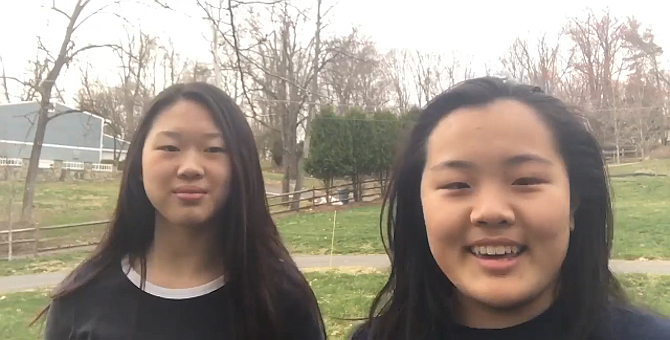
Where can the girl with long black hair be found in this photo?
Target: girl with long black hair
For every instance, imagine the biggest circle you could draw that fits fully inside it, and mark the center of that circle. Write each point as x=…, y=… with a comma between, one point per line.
x=192, y=251
x=499, y=226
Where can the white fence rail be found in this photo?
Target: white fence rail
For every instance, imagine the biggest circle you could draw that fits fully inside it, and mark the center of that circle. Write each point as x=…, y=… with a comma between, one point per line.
x=102, y=167
x=49, y=164
x=17, y=162
x=73, y=165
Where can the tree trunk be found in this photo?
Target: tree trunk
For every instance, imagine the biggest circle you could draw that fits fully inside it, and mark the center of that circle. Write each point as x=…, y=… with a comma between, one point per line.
x=45, y=87
x=33, y=165
x=315, y=83
x=356, y=187
x=643, y=143
x=116, y=156
x=286, y=182
x=328, y=185
x=617, y=159
x=300, y=171
x=292, y=164
x=298, y=184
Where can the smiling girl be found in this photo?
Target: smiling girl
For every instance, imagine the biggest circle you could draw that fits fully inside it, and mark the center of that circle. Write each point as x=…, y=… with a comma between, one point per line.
x=500, y=226
x=191, y=252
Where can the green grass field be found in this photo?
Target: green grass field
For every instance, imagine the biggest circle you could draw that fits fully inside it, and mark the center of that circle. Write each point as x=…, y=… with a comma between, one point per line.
x=64, y=202
x=658, y=166
x=356, y=231
x=43, y=264
x=341, y=296
x=642, y=211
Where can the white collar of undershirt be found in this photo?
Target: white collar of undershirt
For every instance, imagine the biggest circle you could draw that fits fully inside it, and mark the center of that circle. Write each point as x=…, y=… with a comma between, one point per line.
x=169, y=293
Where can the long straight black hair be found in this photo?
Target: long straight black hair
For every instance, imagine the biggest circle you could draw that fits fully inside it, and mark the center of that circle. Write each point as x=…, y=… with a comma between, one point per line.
x=412, y=305
x=257, y=266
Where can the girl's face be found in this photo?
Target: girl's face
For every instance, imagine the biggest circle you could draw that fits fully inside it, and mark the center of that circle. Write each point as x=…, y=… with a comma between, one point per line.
x=496, y=202
x=185, y=165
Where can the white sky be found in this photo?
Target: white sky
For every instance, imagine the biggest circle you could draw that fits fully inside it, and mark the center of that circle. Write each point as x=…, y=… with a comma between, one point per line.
x=481, y=30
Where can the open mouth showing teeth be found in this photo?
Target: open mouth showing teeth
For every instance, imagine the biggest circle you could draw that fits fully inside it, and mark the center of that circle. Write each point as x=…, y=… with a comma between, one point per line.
x=497, y=251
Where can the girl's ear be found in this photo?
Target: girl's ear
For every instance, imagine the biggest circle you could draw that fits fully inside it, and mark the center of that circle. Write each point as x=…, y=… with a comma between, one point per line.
x=574, y=205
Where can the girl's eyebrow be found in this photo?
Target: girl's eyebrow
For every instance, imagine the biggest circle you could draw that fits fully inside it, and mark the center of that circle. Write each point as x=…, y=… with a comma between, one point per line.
x=177, y=135
x=513, y=161
x=454, y=164
x=527, y=158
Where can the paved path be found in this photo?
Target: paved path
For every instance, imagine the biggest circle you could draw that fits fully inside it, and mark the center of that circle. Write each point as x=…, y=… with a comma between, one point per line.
x=17, y=283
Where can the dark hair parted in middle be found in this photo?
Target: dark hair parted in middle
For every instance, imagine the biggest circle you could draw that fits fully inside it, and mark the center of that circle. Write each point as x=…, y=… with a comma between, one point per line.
x=414, y=303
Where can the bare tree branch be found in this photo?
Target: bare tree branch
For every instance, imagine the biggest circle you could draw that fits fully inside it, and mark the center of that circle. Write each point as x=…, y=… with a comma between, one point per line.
x=163, y=5
x=4, y=81
x=241, y=3
x=26, y=84
x=74, y=54
x=59, y=94
x=43, y=48
x=94, y=13
x=61, y=12
x=238, y=58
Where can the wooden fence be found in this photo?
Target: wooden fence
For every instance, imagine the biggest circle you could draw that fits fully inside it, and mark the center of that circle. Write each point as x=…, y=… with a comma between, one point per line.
x=35, y=240
x=625, y=155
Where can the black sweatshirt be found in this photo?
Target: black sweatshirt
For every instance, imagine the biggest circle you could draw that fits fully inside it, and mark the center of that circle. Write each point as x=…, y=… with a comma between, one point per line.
x=624, y=324
x=113, y=307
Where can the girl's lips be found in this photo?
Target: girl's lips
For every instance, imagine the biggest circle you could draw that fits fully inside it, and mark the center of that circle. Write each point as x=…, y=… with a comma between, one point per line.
x=190, y=196
x=189, y=189
x=500, y=265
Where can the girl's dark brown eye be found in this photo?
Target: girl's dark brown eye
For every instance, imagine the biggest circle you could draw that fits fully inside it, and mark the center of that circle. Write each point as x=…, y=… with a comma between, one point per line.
x=169, y=148
x=216, y=149
x=528, y=181
x=455, y=186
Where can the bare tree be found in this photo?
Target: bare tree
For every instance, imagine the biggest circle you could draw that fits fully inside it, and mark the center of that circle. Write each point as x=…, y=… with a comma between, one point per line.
x=611, y=69
x=173, y=66
x=434, y=73
x=646, y=90
x=136, y=56
x=540, y=65
x=428, y=70
x=314, y=87
x=276, y=67
x=598, y=46
x=45, y=84
x=38, y=70
x=396, y=65
x=598, y=63
x=355, y=77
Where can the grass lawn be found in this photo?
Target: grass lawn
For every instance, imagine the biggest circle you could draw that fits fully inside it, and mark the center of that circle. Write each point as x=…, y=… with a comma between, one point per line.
x=341, y=296
x=657, y=166
x=356, y=231
x=642, y=217
x=43, y=264
x=64, y=202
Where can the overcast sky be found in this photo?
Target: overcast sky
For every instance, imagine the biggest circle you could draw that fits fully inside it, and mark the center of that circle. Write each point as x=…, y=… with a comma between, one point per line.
x=480, y=30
